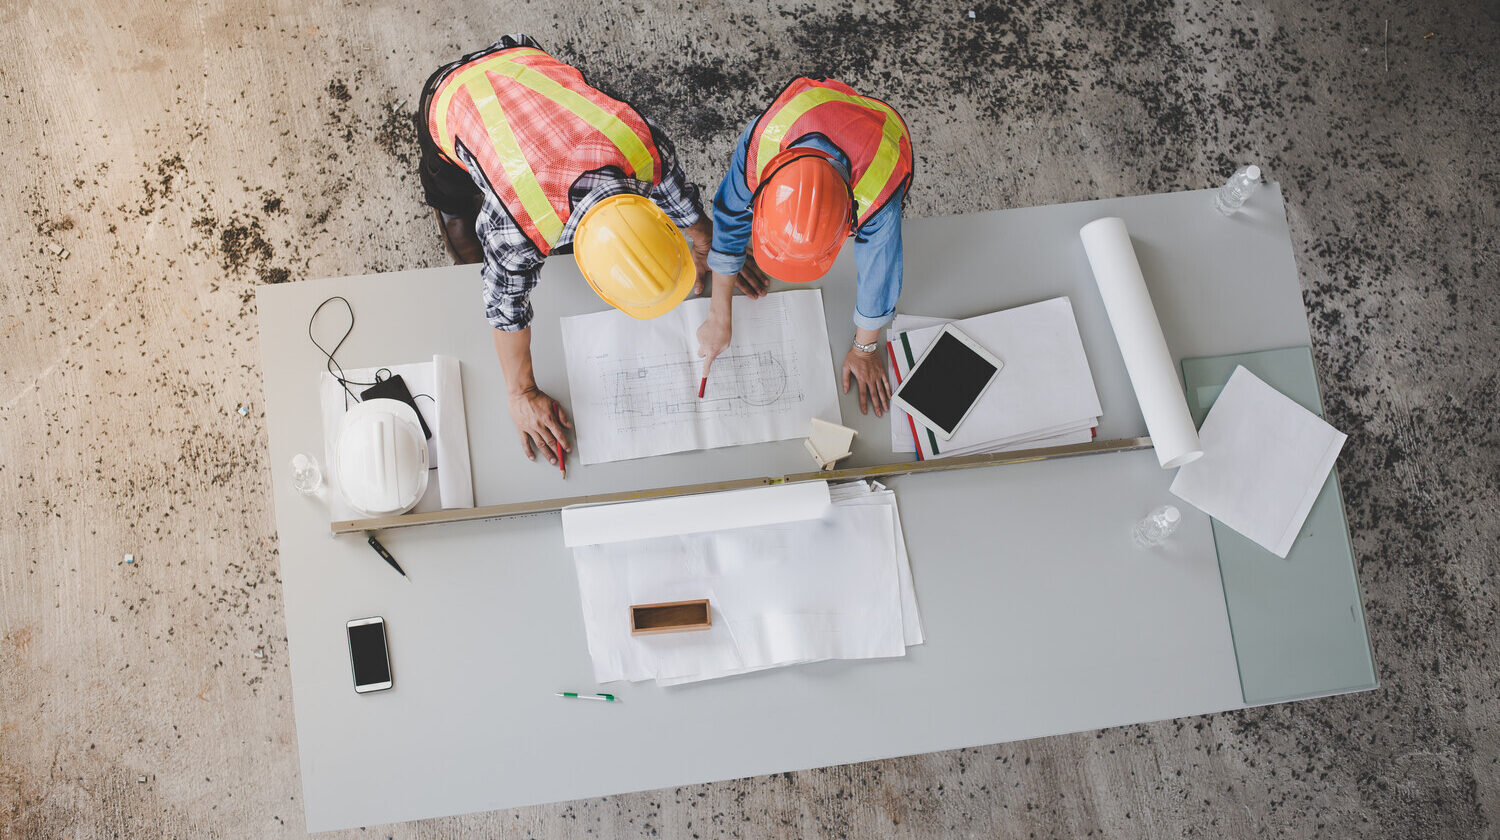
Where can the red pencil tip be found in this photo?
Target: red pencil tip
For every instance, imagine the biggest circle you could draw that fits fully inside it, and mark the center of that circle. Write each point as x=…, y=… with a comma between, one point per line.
x=702, y=386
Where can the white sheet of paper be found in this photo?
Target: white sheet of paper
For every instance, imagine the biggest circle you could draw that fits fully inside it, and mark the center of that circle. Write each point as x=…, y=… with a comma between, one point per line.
x=1265, y=459
x=634, y=383
x=875, y=493
x=853, y=493
x=451, y=485
x=785, y=593
x=1063, y=437
x=695, y=514
x=1045, y=388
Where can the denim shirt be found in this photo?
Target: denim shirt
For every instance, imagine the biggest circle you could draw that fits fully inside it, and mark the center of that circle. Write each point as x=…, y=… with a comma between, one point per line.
x=877, y=243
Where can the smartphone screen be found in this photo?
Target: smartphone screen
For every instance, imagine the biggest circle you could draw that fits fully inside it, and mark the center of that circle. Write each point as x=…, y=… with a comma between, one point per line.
x=368, y=654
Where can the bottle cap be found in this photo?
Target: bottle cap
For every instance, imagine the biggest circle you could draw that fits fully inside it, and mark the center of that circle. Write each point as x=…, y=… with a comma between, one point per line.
x=1253, y=172
x=1171, y=514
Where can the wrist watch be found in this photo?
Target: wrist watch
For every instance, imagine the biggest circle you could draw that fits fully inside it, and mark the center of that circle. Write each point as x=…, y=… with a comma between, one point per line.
x=867, y=348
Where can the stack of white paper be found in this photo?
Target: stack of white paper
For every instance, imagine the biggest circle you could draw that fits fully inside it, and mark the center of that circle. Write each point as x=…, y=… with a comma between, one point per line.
x=833, y=583
x=1265, y=460
x=437, y=388
x=1044, y=396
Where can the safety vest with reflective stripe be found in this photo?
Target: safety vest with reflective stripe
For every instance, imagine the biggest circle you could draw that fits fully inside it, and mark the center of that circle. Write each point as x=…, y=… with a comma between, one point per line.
x=533, y=126
x=868, y=131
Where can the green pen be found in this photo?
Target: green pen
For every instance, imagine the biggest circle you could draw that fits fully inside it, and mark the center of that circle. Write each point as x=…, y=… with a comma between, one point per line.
x=608, y=698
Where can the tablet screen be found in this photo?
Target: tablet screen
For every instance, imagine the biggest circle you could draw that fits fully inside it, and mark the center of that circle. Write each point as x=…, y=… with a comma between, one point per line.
x=949, y=379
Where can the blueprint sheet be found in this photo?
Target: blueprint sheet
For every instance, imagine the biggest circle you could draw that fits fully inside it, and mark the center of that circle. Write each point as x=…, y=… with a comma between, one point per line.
x=634, y=384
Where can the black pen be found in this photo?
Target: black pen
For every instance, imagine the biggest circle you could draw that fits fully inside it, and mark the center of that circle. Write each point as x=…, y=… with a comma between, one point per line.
x=385, y=555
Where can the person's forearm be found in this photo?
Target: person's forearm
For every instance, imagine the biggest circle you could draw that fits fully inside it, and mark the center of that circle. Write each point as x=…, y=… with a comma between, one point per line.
x=719, y=307
x=701, y=232
x=514, y=350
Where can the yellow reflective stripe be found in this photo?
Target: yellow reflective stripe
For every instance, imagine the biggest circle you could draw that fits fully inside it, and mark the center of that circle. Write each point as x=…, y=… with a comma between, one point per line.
x=870, y=185
x=507, y=149
x=513, y=160
x=451, y=86
x=625, y=139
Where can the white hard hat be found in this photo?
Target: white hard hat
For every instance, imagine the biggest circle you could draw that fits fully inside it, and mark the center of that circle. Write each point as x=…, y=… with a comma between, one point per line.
x=382, y=458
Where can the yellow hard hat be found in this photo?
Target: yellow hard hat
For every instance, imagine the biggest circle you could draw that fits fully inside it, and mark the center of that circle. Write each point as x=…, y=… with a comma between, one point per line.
x=633, y=256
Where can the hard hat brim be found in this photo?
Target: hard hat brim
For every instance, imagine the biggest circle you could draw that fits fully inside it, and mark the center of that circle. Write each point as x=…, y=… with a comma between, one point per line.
x=798, y=269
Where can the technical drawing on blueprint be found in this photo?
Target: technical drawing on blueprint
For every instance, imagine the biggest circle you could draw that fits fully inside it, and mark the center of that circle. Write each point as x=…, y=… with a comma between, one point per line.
x=634, y=384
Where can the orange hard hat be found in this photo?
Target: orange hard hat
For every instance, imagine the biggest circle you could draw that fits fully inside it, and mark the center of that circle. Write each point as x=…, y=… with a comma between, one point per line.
x=803, y=213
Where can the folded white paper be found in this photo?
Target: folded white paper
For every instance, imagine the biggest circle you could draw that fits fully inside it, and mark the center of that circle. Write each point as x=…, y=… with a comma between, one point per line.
x=695, y=514
x=837, y=587
x=454, y=475
x=1138, y=332
x=1265, y=459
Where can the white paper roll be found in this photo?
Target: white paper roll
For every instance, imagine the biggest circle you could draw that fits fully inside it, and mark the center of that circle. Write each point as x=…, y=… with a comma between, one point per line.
x=1138, y=333
x=455, y=475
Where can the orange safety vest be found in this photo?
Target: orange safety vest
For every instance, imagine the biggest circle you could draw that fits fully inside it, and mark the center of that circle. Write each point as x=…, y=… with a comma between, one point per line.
x=869, y=131
x=533, y=125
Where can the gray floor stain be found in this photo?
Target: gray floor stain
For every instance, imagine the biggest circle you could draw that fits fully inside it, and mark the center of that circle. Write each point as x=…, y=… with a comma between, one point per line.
x=211, y=149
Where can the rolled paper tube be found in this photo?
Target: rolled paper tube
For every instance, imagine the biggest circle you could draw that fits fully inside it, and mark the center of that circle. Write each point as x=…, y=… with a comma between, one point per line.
x=1138, y=332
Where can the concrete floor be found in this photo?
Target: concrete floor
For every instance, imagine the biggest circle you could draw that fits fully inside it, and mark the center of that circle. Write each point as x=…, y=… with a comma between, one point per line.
x=183, y=154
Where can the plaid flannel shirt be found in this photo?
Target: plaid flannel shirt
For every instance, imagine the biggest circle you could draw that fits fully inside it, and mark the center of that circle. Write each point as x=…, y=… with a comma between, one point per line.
x=512, y=264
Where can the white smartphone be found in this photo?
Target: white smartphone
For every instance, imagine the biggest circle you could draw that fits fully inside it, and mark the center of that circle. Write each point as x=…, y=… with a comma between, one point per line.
x=368, y=654
x=947, y=382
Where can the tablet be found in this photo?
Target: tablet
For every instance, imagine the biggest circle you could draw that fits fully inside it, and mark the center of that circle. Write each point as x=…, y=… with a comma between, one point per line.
x=947, y=382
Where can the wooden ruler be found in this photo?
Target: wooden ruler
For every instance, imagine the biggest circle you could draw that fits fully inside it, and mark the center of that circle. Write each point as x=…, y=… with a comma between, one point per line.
x=963, y=462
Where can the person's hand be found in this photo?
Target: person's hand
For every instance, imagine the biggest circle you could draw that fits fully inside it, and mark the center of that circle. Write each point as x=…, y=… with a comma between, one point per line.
x=701, y=235
x=713, y=337
x=540, y=420
x=751, y=280
x=868, y=371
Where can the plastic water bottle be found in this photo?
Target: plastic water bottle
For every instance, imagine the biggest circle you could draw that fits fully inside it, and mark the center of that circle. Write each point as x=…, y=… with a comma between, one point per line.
x=307, y=477
x=1158, y=525
x=1232, y=196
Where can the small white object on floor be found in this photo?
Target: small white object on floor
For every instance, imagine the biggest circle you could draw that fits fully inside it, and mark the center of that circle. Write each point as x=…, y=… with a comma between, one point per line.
x=1265, y=460
x=259, y=653
x=130, y=559
x=141, y=779
x=829, y=442
x=244, y=411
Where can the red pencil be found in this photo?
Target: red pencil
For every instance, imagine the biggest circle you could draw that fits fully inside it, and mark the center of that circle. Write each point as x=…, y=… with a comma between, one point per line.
x=701, y=386
x=561, y=464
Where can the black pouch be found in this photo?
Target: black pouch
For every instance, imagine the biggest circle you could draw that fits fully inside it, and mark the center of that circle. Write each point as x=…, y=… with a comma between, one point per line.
x=394, y=388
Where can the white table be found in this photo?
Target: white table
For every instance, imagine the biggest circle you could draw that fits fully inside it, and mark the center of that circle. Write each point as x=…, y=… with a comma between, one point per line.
x=1041, y=616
